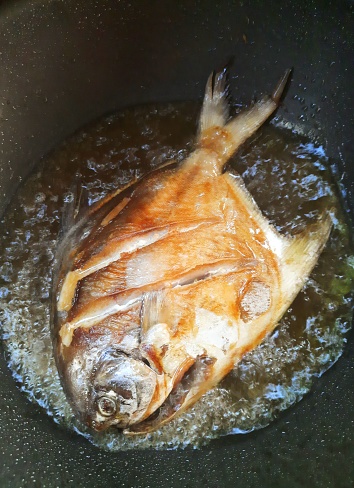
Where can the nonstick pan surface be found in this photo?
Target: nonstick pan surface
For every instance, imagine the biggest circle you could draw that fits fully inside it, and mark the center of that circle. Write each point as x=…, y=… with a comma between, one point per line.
x=64, y=63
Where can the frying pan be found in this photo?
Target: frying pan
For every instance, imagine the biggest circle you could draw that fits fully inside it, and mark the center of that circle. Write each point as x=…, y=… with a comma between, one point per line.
x=64, y=63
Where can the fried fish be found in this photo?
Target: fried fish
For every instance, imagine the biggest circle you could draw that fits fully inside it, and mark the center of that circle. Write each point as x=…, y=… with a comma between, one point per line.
x=164, y=285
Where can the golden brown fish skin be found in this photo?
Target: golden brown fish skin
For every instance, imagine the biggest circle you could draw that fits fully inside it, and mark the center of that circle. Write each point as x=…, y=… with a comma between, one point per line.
x=179, y=277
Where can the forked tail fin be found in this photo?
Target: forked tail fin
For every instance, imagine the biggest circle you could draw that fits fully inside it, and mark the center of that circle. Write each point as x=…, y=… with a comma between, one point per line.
x=215, y=109
x=226, y=136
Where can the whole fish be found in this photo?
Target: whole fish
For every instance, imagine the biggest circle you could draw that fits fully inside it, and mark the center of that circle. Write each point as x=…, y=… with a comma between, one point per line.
x=163, y=286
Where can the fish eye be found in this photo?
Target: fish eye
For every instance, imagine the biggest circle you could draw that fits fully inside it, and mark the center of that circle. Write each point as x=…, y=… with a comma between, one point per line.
x=107, y=406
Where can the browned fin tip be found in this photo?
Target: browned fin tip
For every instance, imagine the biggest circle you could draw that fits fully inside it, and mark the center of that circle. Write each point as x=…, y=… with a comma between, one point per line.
x=277, y=93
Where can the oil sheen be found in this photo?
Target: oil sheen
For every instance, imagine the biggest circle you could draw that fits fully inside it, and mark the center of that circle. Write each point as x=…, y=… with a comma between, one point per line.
x=289, y=178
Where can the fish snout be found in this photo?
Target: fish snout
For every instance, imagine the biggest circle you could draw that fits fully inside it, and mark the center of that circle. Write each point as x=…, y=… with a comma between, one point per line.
x=122, y=390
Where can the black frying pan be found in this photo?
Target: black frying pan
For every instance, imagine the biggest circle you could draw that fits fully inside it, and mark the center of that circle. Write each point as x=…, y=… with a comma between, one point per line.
x=66, y=62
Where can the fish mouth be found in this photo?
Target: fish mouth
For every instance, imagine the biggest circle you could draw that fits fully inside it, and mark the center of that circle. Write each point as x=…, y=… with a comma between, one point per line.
x=101, y=425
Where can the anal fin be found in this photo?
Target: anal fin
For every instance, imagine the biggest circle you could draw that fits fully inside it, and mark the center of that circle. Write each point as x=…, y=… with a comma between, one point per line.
x=296, y=255
x=300, y=255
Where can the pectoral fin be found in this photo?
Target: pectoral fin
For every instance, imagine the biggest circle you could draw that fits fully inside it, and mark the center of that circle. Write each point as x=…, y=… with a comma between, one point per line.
x=155, y=333
x=165, y=353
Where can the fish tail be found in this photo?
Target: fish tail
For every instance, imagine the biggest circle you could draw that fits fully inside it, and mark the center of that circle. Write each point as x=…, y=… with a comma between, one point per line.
x=225, y=136
x=215, y=109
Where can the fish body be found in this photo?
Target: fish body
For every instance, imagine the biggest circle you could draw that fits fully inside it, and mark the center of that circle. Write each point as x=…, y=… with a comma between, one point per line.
x=164, y=285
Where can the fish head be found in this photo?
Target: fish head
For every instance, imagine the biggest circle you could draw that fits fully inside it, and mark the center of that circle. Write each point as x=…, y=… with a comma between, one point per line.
x=122, y=388
x=107, y=386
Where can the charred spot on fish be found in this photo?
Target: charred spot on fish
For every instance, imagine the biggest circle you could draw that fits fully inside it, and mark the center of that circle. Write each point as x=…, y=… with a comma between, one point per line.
x=107, y=406
x=125, y=393
x=208, y=361
x=164, y=349
x=255, y=301
x=81, y=337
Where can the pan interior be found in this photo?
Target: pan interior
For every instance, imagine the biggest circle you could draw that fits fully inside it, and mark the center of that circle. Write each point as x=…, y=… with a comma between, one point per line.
x=111, y=152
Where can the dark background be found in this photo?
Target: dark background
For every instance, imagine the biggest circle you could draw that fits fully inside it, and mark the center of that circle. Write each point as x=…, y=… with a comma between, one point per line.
x=63, y=63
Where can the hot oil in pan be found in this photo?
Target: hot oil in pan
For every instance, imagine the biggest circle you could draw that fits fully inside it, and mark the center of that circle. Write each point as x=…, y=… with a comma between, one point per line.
x=289, y=179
